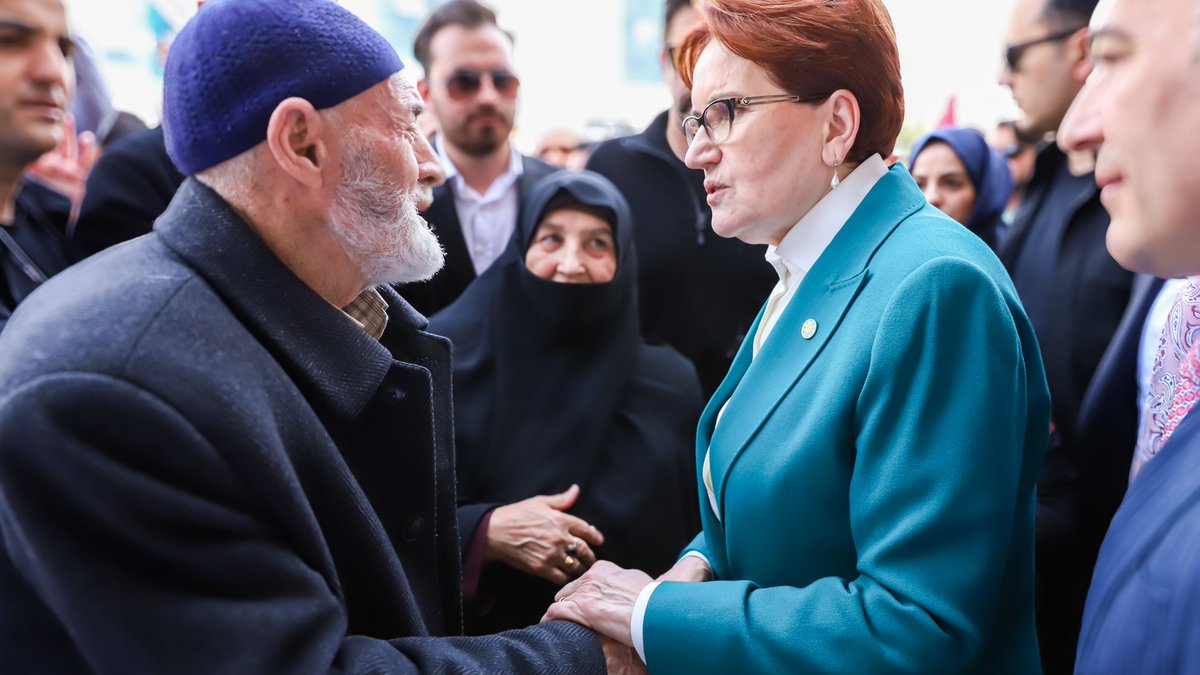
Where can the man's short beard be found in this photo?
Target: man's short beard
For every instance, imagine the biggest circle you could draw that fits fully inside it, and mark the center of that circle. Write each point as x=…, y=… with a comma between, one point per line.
x=378, y=226
x=484, y=141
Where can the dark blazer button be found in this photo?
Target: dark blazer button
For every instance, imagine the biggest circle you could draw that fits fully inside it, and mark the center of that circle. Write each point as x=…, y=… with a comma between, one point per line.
x=413, y=527
x=393, y=395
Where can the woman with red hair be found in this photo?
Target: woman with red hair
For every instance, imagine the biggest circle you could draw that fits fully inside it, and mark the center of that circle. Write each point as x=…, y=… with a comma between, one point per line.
x=866, y=470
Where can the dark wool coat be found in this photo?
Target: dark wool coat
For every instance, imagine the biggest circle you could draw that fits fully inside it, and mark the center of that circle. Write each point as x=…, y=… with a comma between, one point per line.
x=127, y=190
x=1075, y=295
x=205, y=468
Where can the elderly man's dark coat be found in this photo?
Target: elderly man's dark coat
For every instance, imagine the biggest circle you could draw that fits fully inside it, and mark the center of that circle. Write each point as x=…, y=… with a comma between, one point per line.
x=206, y=468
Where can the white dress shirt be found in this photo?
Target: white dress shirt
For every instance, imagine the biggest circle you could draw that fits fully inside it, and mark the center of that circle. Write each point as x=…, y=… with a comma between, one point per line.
x=487, y=220
x=797, y=252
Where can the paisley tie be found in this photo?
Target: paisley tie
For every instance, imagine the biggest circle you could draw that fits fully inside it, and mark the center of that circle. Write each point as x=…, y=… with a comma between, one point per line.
x=1175, y=384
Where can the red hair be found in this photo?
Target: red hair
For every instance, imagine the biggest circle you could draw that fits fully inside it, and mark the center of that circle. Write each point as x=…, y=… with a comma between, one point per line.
x=813, y=48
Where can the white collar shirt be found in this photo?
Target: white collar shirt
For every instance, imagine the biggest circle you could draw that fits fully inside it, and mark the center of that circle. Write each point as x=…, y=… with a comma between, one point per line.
x=489, y=219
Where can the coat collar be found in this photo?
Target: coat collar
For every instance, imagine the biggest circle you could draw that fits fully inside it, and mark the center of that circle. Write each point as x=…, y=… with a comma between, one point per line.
x=334, y=362
x=754, y=387
x=653, y=140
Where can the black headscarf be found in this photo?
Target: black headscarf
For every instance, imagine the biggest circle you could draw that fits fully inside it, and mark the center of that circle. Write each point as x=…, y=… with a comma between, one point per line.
x=553, y=386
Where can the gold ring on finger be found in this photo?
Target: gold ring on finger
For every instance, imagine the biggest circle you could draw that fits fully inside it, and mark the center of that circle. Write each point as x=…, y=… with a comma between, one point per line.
x=569, y=561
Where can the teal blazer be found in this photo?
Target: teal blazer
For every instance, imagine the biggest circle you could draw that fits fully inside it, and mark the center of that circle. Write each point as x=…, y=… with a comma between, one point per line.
x=876, y=478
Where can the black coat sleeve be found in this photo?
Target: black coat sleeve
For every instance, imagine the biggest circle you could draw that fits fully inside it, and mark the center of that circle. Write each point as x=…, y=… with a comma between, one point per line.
x=127, y=191
x=154, y=556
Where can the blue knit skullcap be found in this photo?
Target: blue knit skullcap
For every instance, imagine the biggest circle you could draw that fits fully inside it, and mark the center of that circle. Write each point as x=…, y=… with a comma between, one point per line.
x=237, y=60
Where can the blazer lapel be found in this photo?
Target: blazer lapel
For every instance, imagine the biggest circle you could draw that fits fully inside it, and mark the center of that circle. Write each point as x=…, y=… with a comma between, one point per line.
x=825, y=294
x=1149, y=509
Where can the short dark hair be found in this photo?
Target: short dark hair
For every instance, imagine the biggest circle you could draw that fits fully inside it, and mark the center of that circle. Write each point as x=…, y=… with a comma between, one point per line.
x=1068, y=13
x=465, y=13
x=673, y=8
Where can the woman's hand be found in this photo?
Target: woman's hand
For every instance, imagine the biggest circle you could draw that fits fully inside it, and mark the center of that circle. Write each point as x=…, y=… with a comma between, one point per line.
x=602, y=600
x=688, y=569
x=536, y=536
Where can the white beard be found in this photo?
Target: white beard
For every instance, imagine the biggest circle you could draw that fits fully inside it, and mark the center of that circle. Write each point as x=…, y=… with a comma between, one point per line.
x=378, y=226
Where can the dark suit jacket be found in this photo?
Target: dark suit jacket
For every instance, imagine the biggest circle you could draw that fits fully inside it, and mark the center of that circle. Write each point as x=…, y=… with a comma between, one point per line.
x=1143, y=608
x=205, y=467
x=1108, y=420
x=427, y=297
x=1075, y=295
x=128, y=189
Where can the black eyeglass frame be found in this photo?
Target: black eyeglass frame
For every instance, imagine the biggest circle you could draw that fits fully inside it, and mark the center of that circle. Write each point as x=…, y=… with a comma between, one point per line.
x=1013, y=53
x=693, y=123
x=472, y=82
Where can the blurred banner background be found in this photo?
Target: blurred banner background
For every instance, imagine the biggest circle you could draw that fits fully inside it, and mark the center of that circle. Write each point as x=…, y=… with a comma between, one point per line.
x=586, y=65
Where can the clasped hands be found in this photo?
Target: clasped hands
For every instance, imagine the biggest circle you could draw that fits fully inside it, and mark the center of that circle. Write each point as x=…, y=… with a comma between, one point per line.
x=603, y=600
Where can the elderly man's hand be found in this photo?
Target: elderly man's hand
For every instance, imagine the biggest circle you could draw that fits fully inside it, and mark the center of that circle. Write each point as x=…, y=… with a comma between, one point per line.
x=535, y=536
x=602, y=600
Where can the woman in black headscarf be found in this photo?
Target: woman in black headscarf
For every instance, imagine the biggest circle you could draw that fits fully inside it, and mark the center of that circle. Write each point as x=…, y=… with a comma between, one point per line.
x=565, y=422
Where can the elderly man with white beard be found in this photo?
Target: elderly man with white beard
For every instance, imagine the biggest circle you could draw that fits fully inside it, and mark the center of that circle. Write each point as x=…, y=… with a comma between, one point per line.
x=227, y=446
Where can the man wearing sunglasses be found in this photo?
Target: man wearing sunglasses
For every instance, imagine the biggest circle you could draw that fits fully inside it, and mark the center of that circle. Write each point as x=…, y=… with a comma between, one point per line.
x=1075, y=294
x=470, y=88
x=697, y=292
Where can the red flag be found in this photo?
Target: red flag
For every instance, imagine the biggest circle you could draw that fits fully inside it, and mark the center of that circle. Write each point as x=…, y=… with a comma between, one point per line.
x=948, y=118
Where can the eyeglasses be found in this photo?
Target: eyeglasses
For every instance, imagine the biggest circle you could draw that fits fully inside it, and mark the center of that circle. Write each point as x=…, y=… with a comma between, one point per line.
x=1013, y=53
x=717, y=118
x=463, y=84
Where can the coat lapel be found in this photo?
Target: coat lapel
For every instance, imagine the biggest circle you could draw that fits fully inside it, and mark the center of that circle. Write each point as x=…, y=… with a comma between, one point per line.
x=825, y=294
x=1150, y=508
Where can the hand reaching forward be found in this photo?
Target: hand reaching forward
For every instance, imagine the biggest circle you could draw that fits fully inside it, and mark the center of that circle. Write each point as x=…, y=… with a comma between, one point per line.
x=536, y=536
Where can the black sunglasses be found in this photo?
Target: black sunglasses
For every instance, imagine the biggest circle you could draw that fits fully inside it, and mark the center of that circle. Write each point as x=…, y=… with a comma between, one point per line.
x=463, y=84
x=1013, y=53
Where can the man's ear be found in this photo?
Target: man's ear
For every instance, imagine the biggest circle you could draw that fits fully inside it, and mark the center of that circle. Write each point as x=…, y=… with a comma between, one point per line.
x=423, y=90
x=841, y=127
x=295, y=137
x=1079, y=52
